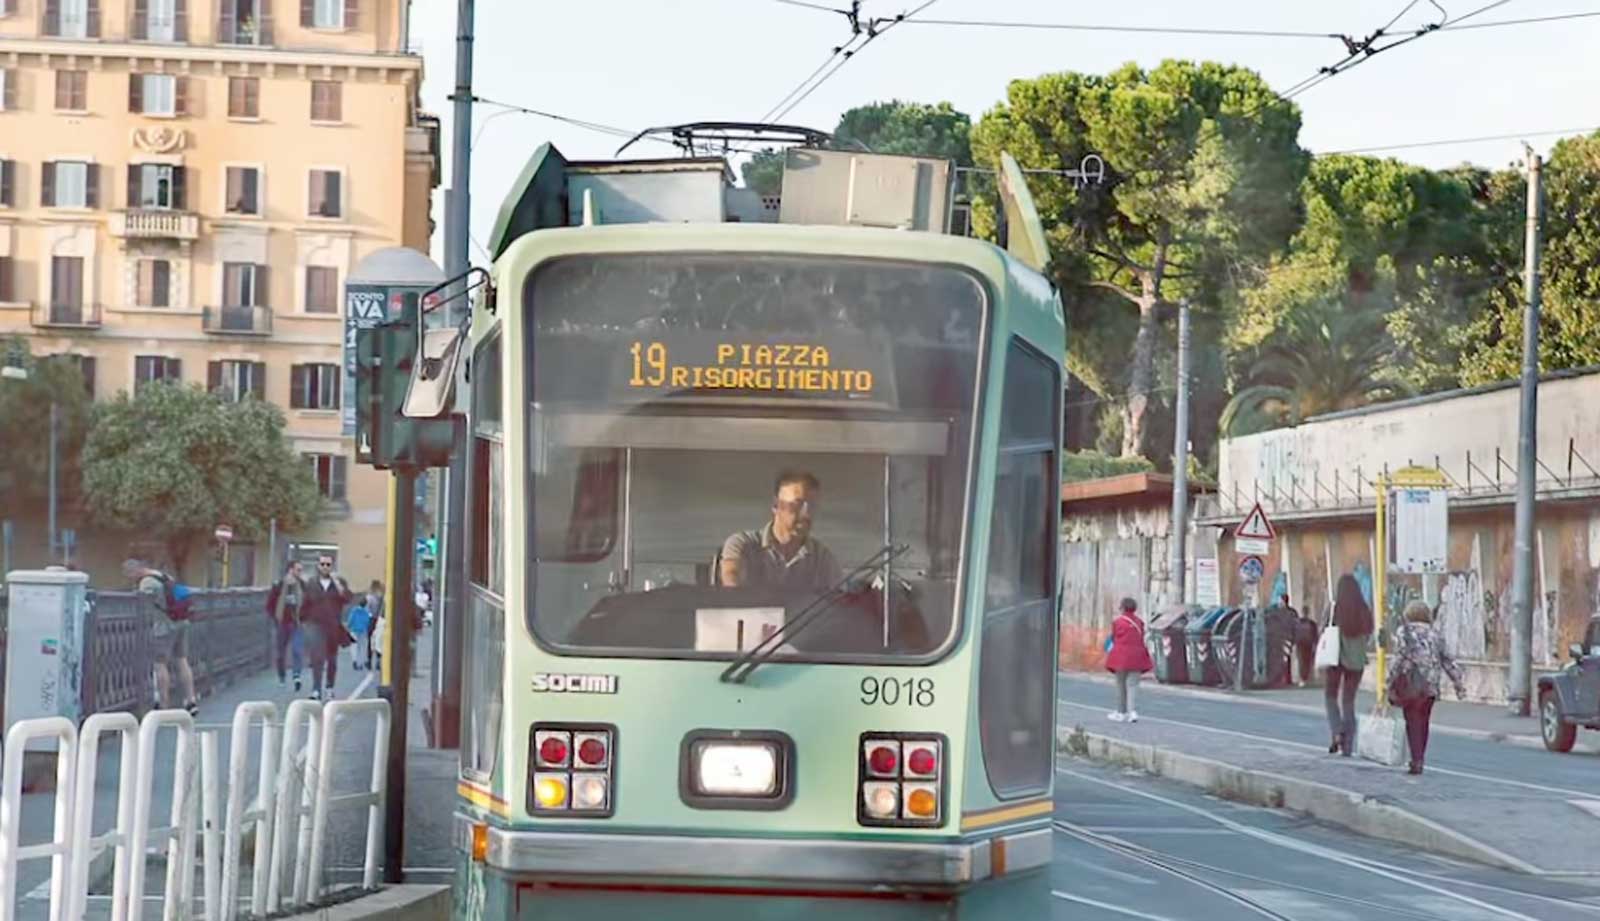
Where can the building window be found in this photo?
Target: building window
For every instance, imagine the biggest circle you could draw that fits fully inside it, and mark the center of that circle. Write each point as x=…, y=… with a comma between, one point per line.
x=244, y=22
x=8, y=183
x=155, y=283
x=244, y=284
x=326, y=200
x=160, y=20
x=70, y=184
x=66, y=283
x=329, y=471
x=322, y=289
x=244, y=190
x=8, y=88
x=244, y=97
x=72, y=90
x=158, y=186
x=237, y=380
x=326, y=101
x=328, y=14
x=315, y=386
x=157, y=94
x=151, y=369
x=71, y=18
x=8, y=280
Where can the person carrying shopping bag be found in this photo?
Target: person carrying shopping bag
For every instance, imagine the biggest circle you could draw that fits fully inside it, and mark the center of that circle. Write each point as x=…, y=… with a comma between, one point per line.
x=1349, y=633
x=1128, y=658
x=1420, y=662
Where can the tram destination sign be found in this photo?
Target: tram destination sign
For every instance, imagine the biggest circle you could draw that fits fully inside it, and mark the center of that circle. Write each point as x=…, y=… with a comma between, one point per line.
x=802, y=366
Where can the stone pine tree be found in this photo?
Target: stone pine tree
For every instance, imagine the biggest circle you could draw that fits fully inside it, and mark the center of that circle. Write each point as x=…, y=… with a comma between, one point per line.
x=895, y=127
x=172, y=462
x=1203, y=171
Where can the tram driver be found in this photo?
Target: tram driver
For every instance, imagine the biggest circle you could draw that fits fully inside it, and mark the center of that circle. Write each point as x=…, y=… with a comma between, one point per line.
x=782, y=554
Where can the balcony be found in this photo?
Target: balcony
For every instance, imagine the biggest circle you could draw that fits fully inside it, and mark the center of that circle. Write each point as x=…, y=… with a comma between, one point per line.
x=66, y=316
x=244, y=29
x=155, y=224
x=238, y=321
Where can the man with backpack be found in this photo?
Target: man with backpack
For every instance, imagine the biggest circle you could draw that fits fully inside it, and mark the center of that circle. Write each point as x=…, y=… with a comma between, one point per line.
x=169, y=633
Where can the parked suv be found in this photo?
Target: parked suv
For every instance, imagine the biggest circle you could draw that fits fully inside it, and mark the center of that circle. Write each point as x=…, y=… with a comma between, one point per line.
x=1571, y=697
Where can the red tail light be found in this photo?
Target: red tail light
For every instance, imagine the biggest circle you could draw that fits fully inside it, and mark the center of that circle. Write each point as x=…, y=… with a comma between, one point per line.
x=553, y=748
x=901, y=780
x=592, y=750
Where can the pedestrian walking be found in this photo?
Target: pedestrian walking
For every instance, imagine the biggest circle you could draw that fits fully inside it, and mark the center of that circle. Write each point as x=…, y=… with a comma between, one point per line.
x=285, y=605
x=1128, y=658
x=1352, y=617
x=169, y=631
x=375, y=605
x=322, y=619
x=1420, y=662
x=357, y=623
x=1305, y=644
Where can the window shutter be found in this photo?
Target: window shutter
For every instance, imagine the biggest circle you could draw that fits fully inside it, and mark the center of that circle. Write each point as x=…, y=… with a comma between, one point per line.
x=263, y=287
x=251, y=188
x=352, y=9
x=336, y=385
x=94, y=18
x=136, y=93
x=180, y=20
x=63, y=89
x=252, y=97
x=264, y=28
x=145, y=295
x=134, y=198
x=180, y=188
x=236, y=97
x=334, y=196
x=86, y=367
x=8, y=183
x=172, y=369
x=297, y=386
x=213, y=375
x=308, y=14
x=8, y=90
x=180, y=96
x=227, y=24
x=5, y=278
x=91, y=185
x=258, y=380
x=47, y=184
x=161, y=283
x=52, y=17
x=336, y=479
x=314, y=206
x=141, y=19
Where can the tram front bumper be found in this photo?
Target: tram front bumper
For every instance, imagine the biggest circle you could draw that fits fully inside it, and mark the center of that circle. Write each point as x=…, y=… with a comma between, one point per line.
x=781, y=861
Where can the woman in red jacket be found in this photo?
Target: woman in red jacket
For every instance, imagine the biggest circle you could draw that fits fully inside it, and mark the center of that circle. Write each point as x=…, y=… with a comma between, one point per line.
x=1128, y=659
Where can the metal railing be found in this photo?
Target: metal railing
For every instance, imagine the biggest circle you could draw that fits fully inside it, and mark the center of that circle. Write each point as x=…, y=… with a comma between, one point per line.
x=67, y=316
x=237, y=321
x=228, y=637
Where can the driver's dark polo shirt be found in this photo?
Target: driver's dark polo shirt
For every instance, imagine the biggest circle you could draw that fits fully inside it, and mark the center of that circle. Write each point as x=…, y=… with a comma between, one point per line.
x=762, y=563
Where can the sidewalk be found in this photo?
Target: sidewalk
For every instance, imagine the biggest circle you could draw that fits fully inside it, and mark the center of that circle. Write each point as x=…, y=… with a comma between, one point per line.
x=1505, y=804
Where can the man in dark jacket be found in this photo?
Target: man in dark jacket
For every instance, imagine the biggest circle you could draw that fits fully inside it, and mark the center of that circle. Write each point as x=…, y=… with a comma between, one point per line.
x=322, y=616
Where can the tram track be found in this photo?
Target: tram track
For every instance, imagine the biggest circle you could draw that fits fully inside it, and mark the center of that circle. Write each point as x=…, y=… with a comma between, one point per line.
x=1433, y=884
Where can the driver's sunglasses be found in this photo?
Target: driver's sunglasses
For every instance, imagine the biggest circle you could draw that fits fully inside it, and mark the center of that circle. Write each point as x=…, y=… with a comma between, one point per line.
x=797, y=505
x=324, y=565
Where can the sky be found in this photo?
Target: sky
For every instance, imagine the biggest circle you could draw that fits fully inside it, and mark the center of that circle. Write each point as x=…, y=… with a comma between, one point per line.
x=637, y=63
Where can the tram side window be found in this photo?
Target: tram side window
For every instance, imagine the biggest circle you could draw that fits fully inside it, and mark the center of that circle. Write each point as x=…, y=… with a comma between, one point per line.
x=488, y=477
x=1018, y=654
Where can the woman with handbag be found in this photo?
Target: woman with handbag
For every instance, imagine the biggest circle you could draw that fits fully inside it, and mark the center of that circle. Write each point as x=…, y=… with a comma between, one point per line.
x=1349, y=633
x=1128, y=658
x=1420, y=662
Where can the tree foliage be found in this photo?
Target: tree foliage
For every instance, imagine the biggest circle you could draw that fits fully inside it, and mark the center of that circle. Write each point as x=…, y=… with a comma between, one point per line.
x=25, y=426
x=173, y=462
x=1203, y=169
x=911, y=128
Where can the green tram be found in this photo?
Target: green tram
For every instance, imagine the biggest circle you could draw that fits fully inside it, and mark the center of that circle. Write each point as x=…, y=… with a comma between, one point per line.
x=764, y=572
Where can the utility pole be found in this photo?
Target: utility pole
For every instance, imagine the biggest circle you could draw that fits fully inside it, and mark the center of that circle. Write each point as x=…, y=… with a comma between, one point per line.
x=1520, y=690
x=453, y=496
x=1180, y=462
x=402, y=614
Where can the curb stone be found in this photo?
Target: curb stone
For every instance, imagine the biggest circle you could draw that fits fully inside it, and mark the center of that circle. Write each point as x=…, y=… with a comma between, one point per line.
x=391, y=903
x=1336, y=806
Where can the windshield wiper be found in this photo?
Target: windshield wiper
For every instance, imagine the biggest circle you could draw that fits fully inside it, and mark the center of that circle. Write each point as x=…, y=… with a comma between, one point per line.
x=740, y=668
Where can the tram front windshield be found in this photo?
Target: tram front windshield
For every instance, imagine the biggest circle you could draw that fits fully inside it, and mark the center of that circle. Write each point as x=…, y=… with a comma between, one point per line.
x=721, y=444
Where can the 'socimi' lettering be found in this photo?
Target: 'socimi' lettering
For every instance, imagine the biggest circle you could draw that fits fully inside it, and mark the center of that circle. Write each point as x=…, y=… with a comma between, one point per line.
x=548, y=683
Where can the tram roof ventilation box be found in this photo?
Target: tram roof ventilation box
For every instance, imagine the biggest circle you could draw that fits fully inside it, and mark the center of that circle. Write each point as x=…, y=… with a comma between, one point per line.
x=678, y=190
x=842, y=187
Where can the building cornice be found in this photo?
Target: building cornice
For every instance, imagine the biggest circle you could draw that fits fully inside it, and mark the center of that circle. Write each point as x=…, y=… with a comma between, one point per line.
x=409, y=64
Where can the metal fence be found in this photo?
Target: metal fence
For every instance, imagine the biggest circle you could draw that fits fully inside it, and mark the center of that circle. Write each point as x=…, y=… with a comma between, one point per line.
x=229, y=636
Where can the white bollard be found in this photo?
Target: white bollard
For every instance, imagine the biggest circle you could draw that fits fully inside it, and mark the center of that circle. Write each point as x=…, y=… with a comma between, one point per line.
x=289, y=795
x=121, y=834
x=211, y=836
x=180, y=844
x=65, y=734
x=261, y=814
x=373, y=798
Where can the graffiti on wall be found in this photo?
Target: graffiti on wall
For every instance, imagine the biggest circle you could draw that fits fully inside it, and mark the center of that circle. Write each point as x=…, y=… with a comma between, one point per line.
x=1462, y=616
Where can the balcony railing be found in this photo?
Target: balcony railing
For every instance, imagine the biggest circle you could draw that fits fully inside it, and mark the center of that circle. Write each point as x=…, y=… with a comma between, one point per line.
x=66, y=316
x=244, y=31
x=238, y=321
x=154, y=223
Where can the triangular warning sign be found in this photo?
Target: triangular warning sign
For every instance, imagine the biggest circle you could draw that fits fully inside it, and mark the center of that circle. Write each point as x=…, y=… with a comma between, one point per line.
x=1255, y=525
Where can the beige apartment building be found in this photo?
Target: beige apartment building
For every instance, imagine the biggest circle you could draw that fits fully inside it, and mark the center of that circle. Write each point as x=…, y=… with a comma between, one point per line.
x=184, y=186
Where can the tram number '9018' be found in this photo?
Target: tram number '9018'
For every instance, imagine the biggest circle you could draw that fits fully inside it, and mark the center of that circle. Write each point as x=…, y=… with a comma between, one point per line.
x=891, y=692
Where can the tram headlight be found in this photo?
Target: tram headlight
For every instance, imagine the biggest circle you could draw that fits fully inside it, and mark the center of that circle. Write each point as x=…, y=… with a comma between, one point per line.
x=736, y=768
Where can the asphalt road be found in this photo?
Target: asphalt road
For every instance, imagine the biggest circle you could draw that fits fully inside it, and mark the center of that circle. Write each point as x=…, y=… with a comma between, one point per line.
x=1132, y=846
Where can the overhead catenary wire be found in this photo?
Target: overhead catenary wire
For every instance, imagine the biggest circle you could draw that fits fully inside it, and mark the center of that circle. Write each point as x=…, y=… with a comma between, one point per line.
x=873, y=30
x=1445, y=142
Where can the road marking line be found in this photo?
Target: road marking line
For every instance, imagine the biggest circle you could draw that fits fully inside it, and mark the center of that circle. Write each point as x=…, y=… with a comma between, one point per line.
x=1562, y=792
x=1107, y=906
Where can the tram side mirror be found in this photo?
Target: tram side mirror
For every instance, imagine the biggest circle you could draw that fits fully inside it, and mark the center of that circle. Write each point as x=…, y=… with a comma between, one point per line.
x=431, y=392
